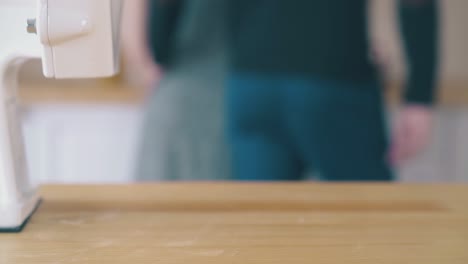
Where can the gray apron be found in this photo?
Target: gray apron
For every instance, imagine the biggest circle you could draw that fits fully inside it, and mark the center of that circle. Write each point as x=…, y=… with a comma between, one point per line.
x=183, y=135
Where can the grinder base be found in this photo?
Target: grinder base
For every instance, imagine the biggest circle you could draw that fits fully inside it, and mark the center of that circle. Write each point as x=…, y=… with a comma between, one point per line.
x=15, y=219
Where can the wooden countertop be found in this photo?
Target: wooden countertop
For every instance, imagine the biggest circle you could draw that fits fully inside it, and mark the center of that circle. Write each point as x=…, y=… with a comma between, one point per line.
x=245, y=223
x=35, y=89
x=80, y=92
x=109, y=91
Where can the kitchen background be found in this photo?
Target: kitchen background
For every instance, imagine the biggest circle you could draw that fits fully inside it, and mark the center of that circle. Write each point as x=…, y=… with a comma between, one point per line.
x=86, y=131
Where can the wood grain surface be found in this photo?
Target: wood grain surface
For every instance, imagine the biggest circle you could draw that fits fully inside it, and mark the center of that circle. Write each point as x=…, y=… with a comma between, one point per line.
x=245, y=223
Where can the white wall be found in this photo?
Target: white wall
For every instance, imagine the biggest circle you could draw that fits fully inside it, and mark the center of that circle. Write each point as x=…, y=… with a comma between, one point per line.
x=13, y=17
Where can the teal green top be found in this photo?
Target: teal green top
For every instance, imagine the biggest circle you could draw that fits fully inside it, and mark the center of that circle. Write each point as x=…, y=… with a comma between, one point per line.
x=163, y=21
x=322, y=38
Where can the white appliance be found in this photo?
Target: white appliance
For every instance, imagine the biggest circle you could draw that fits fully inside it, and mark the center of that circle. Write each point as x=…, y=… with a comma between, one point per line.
x=76, y=39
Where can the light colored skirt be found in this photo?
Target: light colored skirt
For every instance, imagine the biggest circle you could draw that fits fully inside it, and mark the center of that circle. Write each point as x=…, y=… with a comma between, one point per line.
x=183, y=133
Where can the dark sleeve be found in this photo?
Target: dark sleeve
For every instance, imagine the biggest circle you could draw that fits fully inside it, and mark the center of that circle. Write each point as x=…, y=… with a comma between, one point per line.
x=163, y=17
x=420, y=32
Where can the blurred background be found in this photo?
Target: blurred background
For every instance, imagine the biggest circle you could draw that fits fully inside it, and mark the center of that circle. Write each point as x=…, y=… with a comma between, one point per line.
x=88, y=131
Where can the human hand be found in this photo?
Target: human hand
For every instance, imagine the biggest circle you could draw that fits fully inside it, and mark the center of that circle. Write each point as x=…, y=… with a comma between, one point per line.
x=411, y=133
x=139, y=67
x=151, y=75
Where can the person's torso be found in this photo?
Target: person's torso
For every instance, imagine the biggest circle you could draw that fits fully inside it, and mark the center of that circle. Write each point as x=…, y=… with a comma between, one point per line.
x=201, y=31
x=323, y=37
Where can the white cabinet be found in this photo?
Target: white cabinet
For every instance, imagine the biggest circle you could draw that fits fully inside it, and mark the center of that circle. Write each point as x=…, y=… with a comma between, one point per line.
x=82, y=143
x=98, y=144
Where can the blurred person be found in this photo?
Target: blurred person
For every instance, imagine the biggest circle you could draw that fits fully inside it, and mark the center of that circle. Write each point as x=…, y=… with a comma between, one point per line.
x=183, y=137
x=138, y=66
x=303, y=92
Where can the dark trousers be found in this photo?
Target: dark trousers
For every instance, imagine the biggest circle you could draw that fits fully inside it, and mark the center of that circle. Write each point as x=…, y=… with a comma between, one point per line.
x=281, y=126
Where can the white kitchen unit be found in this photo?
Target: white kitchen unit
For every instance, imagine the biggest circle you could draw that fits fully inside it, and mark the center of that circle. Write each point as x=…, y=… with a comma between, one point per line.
x=83, y=143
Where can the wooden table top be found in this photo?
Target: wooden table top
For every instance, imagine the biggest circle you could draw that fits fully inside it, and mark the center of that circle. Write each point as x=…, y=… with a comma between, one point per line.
x=245, y=223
